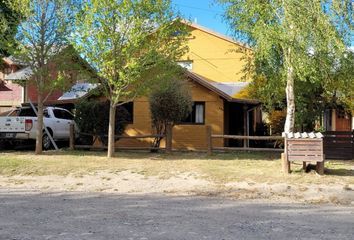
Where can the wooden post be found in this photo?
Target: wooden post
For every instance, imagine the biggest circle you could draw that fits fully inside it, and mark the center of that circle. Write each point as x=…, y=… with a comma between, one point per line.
x=304, y=166
x=285, y=164
x=245, y=124
x=209, y=140
x=72, y=137
x=168, y=139
x=352, y=144
x=320, y=167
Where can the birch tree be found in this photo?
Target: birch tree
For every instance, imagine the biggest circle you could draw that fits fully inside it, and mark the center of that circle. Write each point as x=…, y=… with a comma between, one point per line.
x=42, y=39
x=295, y=37
x=131, y=44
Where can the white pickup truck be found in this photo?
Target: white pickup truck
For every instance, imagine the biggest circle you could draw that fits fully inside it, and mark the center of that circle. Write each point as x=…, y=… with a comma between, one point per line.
x=21, y=124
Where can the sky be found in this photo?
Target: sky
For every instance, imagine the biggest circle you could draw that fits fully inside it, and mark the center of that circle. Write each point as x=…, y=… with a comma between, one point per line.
x=208, y=14
x=205, y=12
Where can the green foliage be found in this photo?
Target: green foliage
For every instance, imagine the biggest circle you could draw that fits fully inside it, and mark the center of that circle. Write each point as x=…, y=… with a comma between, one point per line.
x=42, y=39
x=132, y=44
x=276, y=122
x=43, y=44
x=301, y=41
x=312, y=98
x=169, y=104
x=11, y=14
x=93, y=116
x=338, y=89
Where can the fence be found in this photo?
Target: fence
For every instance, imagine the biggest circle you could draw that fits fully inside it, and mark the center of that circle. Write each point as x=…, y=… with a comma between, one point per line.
x=168, y=138
x=245, y=147
x=339, y=145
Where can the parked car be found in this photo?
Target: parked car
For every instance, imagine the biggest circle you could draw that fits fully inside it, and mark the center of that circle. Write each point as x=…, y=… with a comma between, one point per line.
x=21, y=125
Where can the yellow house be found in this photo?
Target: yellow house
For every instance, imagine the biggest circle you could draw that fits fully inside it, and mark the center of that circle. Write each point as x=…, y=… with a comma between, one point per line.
x=214, y=63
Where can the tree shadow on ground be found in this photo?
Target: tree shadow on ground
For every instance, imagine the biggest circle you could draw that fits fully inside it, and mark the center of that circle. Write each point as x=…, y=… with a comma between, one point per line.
x=191, y=155
x=339, y=172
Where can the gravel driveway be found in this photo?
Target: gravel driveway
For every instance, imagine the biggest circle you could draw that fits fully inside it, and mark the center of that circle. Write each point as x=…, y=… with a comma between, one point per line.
x=108, y=216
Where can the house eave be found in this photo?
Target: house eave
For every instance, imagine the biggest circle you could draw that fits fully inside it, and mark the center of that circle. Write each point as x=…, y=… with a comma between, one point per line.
x=223, y=95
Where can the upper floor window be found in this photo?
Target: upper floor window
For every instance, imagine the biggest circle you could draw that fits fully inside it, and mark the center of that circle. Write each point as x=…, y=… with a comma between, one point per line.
x=186, y=64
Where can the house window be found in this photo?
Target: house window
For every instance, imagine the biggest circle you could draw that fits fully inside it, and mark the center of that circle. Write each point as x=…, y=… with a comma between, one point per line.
x=197, y=116
x=186, y=64
x=130, y=109
x=7, y=70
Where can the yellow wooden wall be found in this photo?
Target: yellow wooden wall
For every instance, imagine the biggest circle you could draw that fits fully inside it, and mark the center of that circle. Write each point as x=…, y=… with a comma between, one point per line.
x=215, y=58
x=185, y=137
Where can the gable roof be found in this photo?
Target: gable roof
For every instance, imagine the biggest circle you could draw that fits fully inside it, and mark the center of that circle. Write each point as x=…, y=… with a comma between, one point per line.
x=216, y=34
x=22, y=74
x=26, y=72
x=78, y=91
x=224, y=90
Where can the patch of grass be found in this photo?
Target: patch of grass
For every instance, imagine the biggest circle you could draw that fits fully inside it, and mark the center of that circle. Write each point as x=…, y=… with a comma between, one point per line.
x=220, y=168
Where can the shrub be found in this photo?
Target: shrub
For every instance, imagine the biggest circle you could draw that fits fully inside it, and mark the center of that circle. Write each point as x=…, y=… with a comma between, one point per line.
x=277, y=121
x=169, y=104
x=92, y=117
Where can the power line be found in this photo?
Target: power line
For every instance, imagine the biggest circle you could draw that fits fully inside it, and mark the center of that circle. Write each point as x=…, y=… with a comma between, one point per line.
x=198, y=8
x=213, y=65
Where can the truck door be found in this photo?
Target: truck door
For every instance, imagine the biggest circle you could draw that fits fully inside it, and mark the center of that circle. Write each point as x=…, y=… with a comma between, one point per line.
x=63, y=120
x=68, y=119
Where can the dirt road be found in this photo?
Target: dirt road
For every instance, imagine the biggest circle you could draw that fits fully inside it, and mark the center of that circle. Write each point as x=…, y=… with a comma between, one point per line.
x=112, y=216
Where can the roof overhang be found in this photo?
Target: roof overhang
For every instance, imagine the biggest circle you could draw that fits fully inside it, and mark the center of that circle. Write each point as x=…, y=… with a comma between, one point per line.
x=20, y=75
x=205, y=83
x=53, y=102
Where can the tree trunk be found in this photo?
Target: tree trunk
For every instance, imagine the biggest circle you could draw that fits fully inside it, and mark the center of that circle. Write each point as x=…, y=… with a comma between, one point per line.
x=39, y=134
x=111, y=130
x=290, y=96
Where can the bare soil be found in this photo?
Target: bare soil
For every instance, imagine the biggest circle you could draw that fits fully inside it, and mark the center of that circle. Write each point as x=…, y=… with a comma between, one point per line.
x=236, y=176
x=183, y=184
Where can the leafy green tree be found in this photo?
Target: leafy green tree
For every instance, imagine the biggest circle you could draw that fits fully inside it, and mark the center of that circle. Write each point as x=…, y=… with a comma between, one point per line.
x=92, y=117
x=43, y=46
x=131, y=44
x=297, y=40
x=12, y=12
x=312, y=97
x=170, y=103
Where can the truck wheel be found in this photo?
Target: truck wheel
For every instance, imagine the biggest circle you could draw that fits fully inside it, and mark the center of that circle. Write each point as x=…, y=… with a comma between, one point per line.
x=46, y=142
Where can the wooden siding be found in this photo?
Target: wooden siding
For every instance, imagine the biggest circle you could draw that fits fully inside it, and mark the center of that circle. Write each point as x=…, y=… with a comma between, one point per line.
x=339, y=145
x=185, y=136
x=11, y=94
x=215, y=58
